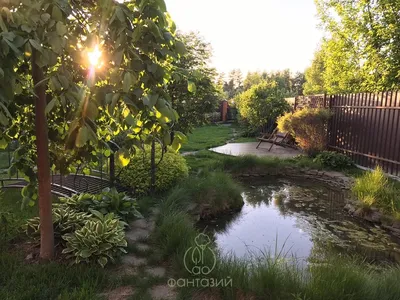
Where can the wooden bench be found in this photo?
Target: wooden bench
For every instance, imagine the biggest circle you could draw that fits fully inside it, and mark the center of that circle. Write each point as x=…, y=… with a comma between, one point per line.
x=276, y=138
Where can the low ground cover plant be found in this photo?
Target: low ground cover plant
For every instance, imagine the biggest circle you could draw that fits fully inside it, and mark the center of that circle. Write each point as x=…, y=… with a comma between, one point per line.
x=334, y=160
x=108, y=201
x=101, y=240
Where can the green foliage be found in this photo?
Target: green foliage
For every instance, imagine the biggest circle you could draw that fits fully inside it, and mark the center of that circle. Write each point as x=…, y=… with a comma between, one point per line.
x=171, y=168
x=261, y=103
x=289, y=85
x=65, y=220
x=213, y=193
x=85, y=109
x=375, y=189
x=53, y=280
x=334, y=160
x=99, y=240
x=108, y=201
x=361, y=49
x=203, y=95
x=308, y=126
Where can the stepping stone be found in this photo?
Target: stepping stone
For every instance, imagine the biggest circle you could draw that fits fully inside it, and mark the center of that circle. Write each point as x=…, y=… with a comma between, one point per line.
x=155, y=211
x=164, y=292
x=120, y=293
x=143, y=224
x=156, y=271
x=140, y=223
x=142, y=247
x=133, y=236
x=132, y=260
x=126, y=270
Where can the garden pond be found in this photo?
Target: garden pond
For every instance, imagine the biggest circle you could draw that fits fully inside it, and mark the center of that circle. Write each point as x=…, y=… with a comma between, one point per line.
x=301, y=220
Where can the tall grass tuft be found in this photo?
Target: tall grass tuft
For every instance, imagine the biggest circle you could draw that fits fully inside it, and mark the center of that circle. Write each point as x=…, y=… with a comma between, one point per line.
x=375, y=189
x=211, y=192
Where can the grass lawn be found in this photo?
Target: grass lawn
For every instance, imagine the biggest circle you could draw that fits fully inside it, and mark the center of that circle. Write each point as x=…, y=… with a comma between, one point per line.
x=22, y=280
x=210, y=136
x=207, y=137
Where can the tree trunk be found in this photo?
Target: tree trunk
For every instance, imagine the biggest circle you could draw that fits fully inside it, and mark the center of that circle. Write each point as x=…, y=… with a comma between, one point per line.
x=43, y=164
x=153, y=167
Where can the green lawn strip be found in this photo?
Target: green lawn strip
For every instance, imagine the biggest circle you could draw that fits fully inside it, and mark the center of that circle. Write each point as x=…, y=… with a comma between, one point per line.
x=21, y=280
x=207, y=136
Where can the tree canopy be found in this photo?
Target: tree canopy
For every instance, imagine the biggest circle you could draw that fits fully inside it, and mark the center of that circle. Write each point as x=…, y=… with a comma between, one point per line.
x=262, y=103
x=361, y=50
x=93, y=69
x=192, y=107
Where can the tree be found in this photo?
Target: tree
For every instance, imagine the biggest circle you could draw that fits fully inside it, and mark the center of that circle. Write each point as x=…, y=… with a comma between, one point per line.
x=234, y=85
x=261, y=104
x=288, y=84
x=361, y=50
x=314, y=75
x=193, y=107
x=45, y=46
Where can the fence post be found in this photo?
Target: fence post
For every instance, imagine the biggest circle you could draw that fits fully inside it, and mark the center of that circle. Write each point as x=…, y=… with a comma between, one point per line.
x=329, y=127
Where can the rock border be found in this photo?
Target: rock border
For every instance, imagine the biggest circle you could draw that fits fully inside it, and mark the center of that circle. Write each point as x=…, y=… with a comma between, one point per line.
x=336, y=180
x=333, y=179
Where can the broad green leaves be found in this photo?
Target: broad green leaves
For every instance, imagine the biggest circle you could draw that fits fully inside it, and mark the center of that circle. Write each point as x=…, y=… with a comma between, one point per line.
x=191, y=87
x=123, y=158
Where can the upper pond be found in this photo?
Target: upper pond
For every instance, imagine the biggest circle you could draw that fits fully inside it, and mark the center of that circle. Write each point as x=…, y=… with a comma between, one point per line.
x=298, y=219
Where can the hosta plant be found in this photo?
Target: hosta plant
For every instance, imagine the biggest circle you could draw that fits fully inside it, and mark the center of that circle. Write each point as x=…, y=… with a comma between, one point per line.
x=100, y=240
x=108, y=201
x=65, y=220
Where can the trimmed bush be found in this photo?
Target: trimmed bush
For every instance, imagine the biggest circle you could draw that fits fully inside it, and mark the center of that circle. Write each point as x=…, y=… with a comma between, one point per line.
x=334, y=160
x=170, y=170
x=308, y=126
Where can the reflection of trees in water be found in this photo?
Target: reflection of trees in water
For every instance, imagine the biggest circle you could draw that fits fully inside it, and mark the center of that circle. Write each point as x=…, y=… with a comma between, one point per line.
x=220, y=224
x=319, y=213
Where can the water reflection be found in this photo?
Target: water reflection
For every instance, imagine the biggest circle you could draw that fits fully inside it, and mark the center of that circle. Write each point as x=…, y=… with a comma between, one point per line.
x=298, y=219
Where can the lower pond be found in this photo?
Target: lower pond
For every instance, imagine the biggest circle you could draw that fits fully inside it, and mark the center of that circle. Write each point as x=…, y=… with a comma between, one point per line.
x=304, y=220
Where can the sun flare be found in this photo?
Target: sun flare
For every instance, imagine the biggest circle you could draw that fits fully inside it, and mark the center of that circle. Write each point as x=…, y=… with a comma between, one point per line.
x=94, y=57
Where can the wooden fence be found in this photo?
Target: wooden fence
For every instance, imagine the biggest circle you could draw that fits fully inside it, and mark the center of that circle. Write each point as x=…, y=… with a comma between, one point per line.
x=364, y=126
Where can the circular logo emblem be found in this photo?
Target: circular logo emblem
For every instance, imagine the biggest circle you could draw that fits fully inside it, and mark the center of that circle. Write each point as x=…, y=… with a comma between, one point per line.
x=200, y=259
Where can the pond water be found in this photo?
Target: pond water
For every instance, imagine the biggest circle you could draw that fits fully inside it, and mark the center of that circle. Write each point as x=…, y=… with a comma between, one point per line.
x=298, y=219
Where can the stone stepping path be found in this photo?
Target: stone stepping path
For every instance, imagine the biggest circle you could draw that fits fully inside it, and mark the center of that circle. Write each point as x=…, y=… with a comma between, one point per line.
x=135, y=264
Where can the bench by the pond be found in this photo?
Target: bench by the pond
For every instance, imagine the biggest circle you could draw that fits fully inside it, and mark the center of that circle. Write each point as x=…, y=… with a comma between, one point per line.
x=283, y=139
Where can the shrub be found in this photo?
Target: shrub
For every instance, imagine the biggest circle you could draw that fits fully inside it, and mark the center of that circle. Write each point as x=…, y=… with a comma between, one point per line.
x=170, y=170
x=100, y=240
x=334, y=160
x=308, y=126
x=108, y=201
x=261, y=103
x=374, y=188
x=65, y=220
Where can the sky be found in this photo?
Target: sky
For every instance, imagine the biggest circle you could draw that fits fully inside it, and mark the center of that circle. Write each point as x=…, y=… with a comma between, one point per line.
x=252, y=35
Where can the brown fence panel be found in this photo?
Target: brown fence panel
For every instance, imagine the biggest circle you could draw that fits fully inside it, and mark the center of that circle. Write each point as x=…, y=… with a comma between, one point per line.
x=365, y=126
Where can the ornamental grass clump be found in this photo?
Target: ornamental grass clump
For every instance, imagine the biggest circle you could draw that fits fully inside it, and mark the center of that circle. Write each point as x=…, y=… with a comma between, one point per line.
x=374, y=189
